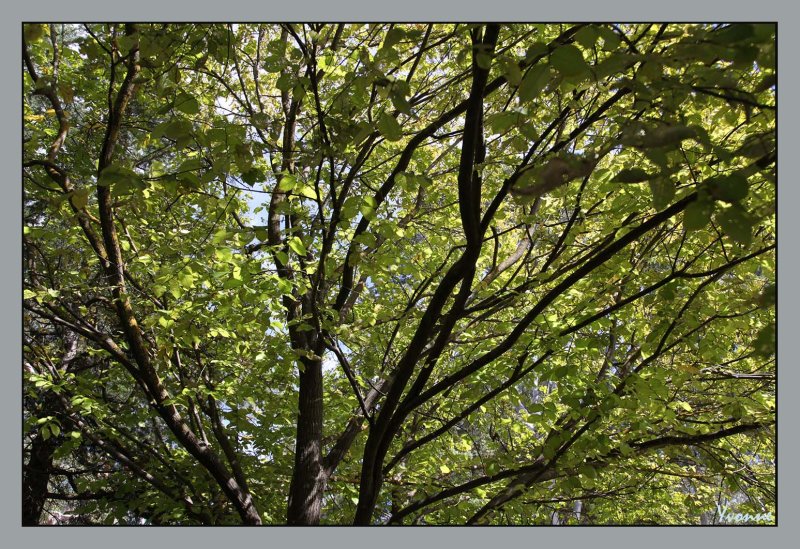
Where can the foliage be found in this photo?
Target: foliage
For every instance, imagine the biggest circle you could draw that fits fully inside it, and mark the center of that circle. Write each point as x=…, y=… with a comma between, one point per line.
x=418, y=274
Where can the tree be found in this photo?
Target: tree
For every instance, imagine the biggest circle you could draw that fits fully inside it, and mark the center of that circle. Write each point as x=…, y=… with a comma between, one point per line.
x=415, y=274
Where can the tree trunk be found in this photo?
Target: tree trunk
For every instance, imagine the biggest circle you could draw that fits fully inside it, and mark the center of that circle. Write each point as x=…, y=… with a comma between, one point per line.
x=35, y=478
x=308, y=478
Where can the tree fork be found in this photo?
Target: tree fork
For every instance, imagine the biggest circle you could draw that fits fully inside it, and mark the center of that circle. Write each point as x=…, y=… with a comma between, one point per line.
x=469, y=203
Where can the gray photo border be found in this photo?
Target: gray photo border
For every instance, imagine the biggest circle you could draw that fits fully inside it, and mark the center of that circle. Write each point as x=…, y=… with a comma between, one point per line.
x=406, y=10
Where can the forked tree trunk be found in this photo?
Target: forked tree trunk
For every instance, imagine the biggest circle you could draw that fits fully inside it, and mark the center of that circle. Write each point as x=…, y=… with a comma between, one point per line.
x=308, y=478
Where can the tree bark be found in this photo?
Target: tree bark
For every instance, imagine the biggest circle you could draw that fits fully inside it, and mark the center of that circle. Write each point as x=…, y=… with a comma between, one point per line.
x=308, y=478
x=35, y=478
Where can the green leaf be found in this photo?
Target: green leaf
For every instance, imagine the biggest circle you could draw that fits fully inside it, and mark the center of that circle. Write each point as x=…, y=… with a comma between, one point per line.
x=232, y=283
x=193, y=164
x=287, y=183
x=187, y=104
x=80, y=198
x=400, y=103
x=698, y=214
x=756, y=146
x=297, y=246
x=175, y=129
x=737, y=224
x=765, y=342
x=221, y=236
x=368, y=206
x=483, y=60
x=511, y=71
x=667, y=136
x=536, y=50
x=610, y=38
x=114, y=173
x=568, y=60
x=551, y=447
x=389, y=127
x=534, y=82
x=501, y=121
x=613, y=65
x=587, y=36
x=444, y=469
x=175, y=288
x=165, y=322
x=307, y=191
x=588, y=471
x=393, y=36
x=729, y=188
x=769, y=296
x=126, y=42
x=633, y=175
x=285, y=82
x=649, y=71
x=733, y=33
x=253, y=176
x=282, y=256
x=298, y=92
x=684, y=406
x=663, y=190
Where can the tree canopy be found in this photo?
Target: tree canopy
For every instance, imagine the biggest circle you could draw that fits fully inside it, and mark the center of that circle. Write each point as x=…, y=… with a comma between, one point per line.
x=398, y=273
